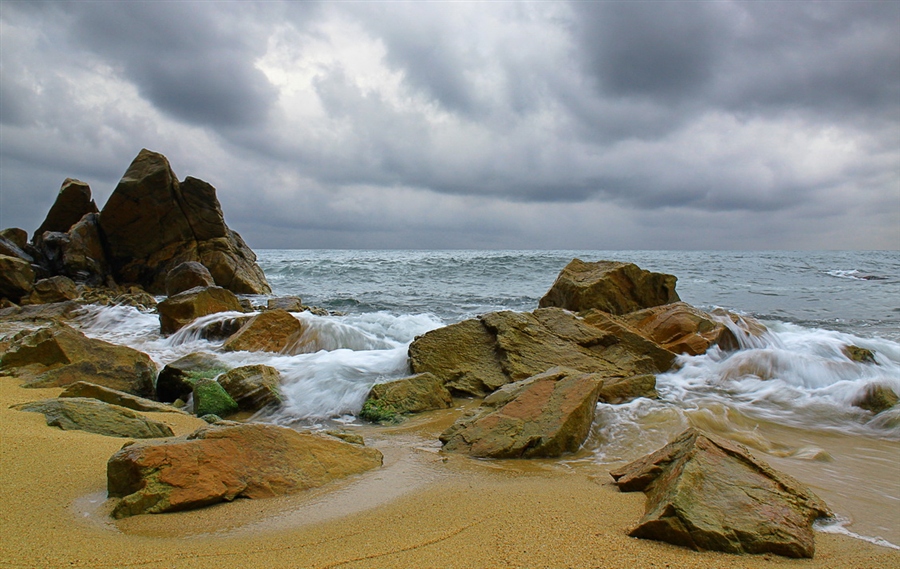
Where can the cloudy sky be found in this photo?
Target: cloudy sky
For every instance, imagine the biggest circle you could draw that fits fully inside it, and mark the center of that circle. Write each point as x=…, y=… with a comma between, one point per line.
x=548, y=125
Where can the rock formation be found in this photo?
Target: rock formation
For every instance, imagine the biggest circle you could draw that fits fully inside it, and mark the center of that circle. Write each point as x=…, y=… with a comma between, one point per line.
x=271, y=331
x=415, y=394
x=177, y=378
x=89, y=390
x=179, y=310
x=93, y=416
x=253, y=387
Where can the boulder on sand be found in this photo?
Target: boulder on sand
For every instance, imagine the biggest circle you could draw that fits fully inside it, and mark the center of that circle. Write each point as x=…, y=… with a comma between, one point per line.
x=610, y=286
x=707, y=493
x=414, y=394
x=221, y=463
x=89, y=390
x=179, y=310
x=93, y=416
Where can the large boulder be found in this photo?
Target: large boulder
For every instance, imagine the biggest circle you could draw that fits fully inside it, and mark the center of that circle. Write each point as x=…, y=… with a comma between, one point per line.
x=708, y=493
x=270, y=331
x=85, y=389
x=176, y=312
x=681, y=328
x=53, y=289
x=177, y=378
x=421, y=392
x=186, y=276
x=59, y=355
x=72, y=203
x=252, y=387
x=16, y=277
x=93, y=416
x=77, y=253
x=12, y=244
x=221, y=463
x=152, y=223
x=610, y=286
x=542, y=416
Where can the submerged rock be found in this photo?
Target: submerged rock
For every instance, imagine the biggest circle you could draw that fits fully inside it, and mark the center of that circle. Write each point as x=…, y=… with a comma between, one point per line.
x=876, y=397
x=93, y=416
x=707, y=493
x=859, y=355
x=271, y=331
x=221, y=463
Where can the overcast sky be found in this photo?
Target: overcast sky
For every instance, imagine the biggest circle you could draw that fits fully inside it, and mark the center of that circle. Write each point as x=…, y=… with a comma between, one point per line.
x=547, y=125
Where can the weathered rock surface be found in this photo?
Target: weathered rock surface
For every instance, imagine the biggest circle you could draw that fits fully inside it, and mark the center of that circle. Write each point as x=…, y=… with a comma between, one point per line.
x=252, y=387
x=85, y=389
x=93, y=416
x=186, y=276
x=477, y=356
x=16, y=236
x=681, y=329
x=221, y=463
x=289, y=303
x=610, y=286
x=16, y=277
x=179, y=310
x=59, y=355
x=619, y=390
x=53, y=289
x=210, y=398
x=876, y=397
x=270, y=331
x=176, y=380
x=152, y=223
x=707, y=493
x=77, y=253
x=542, y=416
x=422, y=392
x=859, y=355
x=72, y=203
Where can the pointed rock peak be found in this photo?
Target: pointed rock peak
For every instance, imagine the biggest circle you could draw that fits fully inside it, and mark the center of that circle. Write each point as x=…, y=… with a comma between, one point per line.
x=72, y=203
x=145, y=164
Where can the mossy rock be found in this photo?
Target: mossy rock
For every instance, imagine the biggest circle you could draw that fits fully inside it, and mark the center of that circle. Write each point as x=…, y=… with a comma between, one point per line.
x=210, y=398
x=376, y=411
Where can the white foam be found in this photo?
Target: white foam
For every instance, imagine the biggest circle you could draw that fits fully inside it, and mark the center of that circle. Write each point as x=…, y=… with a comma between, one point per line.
x=838, y=525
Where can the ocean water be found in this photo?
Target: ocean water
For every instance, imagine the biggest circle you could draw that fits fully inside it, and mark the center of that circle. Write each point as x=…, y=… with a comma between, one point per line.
x=787, y=395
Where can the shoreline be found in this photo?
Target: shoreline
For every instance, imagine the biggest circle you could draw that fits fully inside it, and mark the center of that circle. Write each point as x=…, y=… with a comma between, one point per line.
x=425, y=509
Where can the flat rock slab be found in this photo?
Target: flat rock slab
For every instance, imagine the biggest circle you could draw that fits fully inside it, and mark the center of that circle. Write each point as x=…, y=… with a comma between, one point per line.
x=115, y=397
x=221, y=463
x=708, y=493
x=84, y=414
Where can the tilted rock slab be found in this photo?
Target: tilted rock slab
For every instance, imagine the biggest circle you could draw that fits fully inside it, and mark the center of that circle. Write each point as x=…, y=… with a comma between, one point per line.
x=221, y=463
x=681, y=328
x=179, y=310
x=93, y=416
x=708, y=493
x=610, y=286
x=542, y=416
x=115, y=397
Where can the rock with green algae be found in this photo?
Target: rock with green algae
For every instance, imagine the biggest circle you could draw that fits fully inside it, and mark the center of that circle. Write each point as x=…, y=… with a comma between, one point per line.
x=252, y=387
x=93, y=416
x=860, y=355
x=176, y=380
x=414, y=394
x=210, y=398
x=876, y=397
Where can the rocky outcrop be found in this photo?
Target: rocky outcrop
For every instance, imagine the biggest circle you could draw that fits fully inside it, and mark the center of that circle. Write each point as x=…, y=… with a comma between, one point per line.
x=93, y=416
x=252, y=387
x=72, y=203
x=152, y=223
x=221, y=463
x=16, y=278
x=610, y=286
x=186, y=276
x=53, y=289
x=270, y=331
x=289, y=303
x=77, y=253
x=681, y=329
x=85, y=389
x=177, y=378
x=210, y=398
x=707, y=493
x=179, y=310
x=59, y=355
x=415, y=394
x=542, y=416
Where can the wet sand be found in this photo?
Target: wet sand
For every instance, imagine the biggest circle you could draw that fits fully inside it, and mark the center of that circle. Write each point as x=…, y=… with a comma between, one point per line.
x=423, y=509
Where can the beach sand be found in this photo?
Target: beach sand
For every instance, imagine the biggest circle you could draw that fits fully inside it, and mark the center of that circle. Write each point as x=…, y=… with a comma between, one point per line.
x=423, y=509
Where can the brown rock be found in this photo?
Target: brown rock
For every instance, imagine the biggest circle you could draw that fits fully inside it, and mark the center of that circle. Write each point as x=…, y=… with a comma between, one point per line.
x=72, y=203
x=93, y=416
x=542, y=416
x=54, y=289
x=186, y=276
x=16, y=236
x=221, y=463
x=610, y=286
x=705, y=492
x=179, y=310
x=89, y=390
x=16, y=277
x=876, y=398
x=253, y=387
x=12, y=245
x=271, y=331
x=629, y=340
x=421, y=392
x=681, y=329
x=619, y=390
x=81, y=252
x=289, y=303
x=177, y=378
x=859, y=355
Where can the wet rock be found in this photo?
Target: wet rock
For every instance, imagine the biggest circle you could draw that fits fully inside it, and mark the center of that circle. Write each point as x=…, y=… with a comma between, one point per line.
x=72, y=203
x=59, y=355
x=252, y=387
x=542, y=416
x=179, y=310
x=16, y=277
x=876, y=397
x=421, y=392
x=629, y=341
x=84, y=389
x=619, y=390
x=271, y=331
x=289, y=303
x=221, y=463
x=115, y=296
x=53, y=289
x=707, y=493
x=681, y=329
x=610, y=286
x=186, y=276
x=177, y=378
x=93, y=416
x=859, y=355
x=210, y=398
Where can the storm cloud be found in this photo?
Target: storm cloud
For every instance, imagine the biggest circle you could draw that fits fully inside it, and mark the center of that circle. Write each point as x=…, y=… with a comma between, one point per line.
x=630, y=125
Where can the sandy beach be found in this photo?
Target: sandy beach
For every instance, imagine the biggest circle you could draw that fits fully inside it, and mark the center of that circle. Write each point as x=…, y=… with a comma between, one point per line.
x=422, y=509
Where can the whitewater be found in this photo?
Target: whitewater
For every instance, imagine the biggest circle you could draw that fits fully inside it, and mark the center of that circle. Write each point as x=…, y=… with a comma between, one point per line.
x=788, y=394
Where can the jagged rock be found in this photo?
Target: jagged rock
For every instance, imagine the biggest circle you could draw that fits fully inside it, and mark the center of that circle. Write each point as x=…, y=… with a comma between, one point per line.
x=542, y=416
x=210, y=398
x=12, y=244
x=16, y=277
x=153, y=222
x=252, y=387
x=629, y=340
x=289, y=303
x=186, y=276
x=221, y=463
x=93, y=416
x=610, y=286
x=421, y=392
x=176, y=380
x=859, y=355
x=16, y=236
x=619, y=390
x=78, y=253
x=707, y=493
x=271, y=331
x=179, y=310
x=59, y=355
x=681, y=328
x=54, y=289
x=85, y=389
x=132, y=296
x=72, y=203
x=876, y=397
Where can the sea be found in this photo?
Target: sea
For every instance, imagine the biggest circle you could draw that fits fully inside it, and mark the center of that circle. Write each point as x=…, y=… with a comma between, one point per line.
x=787, y=395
